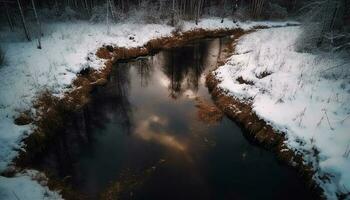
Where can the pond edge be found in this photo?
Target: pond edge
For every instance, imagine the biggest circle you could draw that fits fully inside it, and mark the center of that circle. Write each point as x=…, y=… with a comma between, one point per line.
x=257, y=131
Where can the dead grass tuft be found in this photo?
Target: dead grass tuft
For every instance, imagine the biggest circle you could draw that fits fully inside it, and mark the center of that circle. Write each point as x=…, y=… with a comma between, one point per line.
x=263, y=74
x=103, y=53
x=128, y=181
x=122, y=53
x=208, y=113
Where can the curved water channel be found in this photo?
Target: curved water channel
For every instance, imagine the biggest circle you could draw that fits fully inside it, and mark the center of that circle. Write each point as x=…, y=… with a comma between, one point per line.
x=150, y=133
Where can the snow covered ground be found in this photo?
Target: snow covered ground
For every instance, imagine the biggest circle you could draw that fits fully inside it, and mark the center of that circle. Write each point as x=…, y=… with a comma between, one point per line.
x=26, y=186
x=304, y=95
x=66, y=46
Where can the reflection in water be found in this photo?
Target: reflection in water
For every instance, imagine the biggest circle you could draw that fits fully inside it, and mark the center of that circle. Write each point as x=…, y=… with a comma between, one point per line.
x=119, y=83
x=150, y=129
x=184, y=66
x=133, y=141
x=144, y=69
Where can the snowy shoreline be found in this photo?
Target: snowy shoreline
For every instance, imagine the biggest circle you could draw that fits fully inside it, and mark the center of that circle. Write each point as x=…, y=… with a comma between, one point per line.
x=29, y=71
x=297, y=95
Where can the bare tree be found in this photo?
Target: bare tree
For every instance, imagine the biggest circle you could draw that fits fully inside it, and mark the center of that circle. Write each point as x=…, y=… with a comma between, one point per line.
x=173, y=14
x=108, y=27
x=323, y=24
x=23, y=21
x=9, y=20
x=257, y=7
x=40, y=33
x=223, y=11
x=234, y=9
x=200, y=4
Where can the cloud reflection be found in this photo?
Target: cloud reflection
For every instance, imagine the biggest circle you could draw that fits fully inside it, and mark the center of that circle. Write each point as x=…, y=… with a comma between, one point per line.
x=150, y=130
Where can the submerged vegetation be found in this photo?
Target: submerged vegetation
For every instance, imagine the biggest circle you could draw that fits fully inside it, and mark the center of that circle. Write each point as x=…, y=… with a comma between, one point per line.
x=208, y=113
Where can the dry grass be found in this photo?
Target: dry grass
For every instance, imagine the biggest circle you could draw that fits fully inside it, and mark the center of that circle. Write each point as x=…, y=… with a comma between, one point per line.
x=104, y=53
x=24, y=118
x=208, y=113
x=243, y=81
x=128, y=181
x=263, y=74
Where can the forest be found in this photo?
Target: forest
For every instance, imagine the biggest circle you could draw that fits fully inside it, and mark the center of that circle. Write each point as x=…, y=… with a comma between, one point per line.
x=326, y=20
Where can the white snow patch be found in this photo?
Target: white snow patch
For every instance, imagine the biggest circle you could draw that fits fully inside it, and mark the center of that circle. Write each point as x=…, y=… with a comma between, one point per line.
x=23, y=186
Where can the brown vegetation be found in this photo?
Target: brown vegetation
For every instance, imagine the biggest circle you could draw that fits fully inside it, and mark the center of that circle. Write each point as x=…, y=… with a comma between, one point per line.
x=263, y=74
x=128, y=181
x=23, y=119
x=208, y=113
x=243, y=81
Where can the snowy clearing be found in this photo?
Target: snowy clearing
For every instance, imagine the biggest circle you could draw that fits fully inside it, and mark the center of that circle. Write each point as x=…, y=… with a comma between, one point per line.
x=304, y=95
x=66, y=47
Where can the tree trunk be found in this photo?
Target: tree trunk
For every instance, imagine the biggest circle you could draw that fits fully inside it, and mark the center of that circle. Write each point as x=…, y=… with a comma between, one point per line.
x=23, y=21
x=223, y=11
x=199, y=9
x=111, y=5
x=107, y=17
x=39, y=25
x=173, y=14
x=234, y=9
x=8, y=17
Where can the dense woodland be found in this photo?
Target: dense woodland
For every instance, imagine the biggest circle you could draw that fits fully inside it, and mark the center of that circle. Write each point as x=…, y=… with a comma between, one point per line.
x=326, y=22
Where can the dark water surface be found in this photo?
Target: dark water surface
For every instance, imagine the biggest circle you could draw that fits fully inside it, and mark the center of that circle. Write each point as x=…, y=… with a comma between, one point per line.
x=141, y=138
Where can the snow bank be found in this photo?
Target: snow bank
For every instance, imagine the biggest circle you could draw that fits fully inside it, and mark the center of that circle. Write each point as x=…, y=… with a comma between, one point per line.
x=215, y=23
x=24, y=187
x=304, y=95
x=66, y=49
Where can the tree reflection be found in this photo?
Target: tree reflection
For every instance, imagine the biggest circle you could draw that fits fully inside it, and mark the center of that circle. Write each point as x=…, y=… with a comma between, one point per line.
x=109, y=104
x=184, y=66
x=144, y=70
